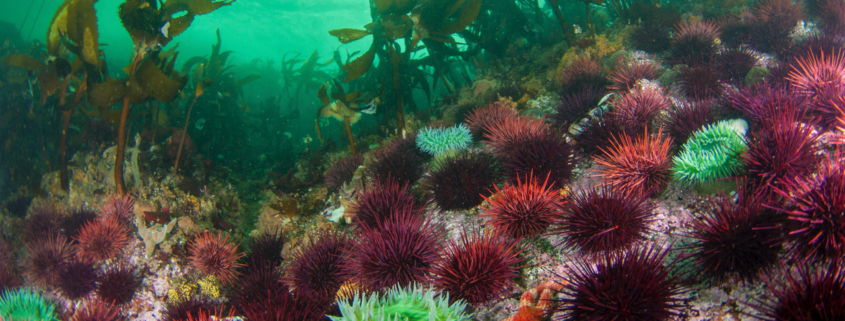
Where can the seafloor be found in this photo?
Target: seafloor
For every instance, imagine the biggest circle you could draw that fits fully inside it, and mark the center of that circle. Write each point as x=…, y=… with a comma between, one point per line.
x=640, y=163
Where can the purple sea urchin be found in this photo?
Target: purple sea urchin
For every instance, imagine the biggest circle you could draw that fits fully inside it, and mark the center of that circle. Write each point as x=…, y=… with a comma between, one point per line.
x=735, y=238
x=581, y=74
x=343, y=171
x=77, y=279
x=399, y=251
x=458, y=182
x=634, y=285
x=815, y=294
x=773, y=21
x=573, y=107
x=47, y=255
x=625, y=77
x=266, y=247
x=598, y=132
x=548, y=155
x=398, y=160
x=261, y=279
x=701, y=82
x=380, y=201
x=685, y=118
x=695, y=42
x=765, y=101
x=118, y=283
x=604, y=220
x=316, y=273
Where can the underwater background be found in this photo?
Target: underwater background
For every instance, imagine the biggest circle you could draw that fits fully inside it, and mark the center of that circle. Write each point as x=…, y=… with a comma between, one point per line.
x=422, y=160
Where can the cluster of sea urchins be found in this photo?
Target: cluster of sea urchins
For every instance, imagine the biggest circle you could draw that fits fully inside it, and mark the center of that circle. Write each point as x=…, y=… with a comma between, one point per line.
x=81, y=255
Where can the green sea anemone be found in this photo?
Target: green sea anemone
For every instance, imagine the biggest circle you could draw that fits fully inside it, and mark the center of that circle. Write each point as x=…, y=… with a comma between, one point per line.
x=438, y=140
x=412, y=304
x=712, y=153
x=25, y=304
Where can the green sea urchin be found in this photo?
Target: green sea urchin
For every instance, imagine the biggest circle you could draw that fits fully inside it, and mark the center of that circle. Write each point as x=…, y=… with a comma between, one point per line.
x=412, y=304
x=711, y=153
x=25, y=304
x=439, y=140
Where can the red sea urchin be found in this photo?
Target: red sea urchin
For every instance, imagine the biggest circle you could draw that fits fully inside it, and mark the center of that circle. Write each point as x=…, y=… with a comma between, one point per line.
x=96, y=310
x=735, y=238
x=479, y=268
x=525, y=209
x=508, y=134
x=765, y=101
x=316, y=272
x=820, y=77
x=120, y=208
x=639, y=167
x=481, y=118
x=604, y=220
x=102, y=239
x=634, y=286
x=381, y=201
x=818, y=226
x=781, y=149
x=818, y=73
x=459, y=182
x=400, y=251
x=214, y=255
x=343, y=171
x=639, y=108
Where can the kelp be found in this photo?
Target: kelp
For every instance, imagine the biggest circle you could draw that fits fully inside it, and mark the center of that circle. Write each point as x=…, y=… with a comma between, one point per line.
x=148, y=24
x=215, y=70
x=307, y=75
x=347, y=35
x=341, y=109
x=435, y=19
x=148, y=82
x=24, y=61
